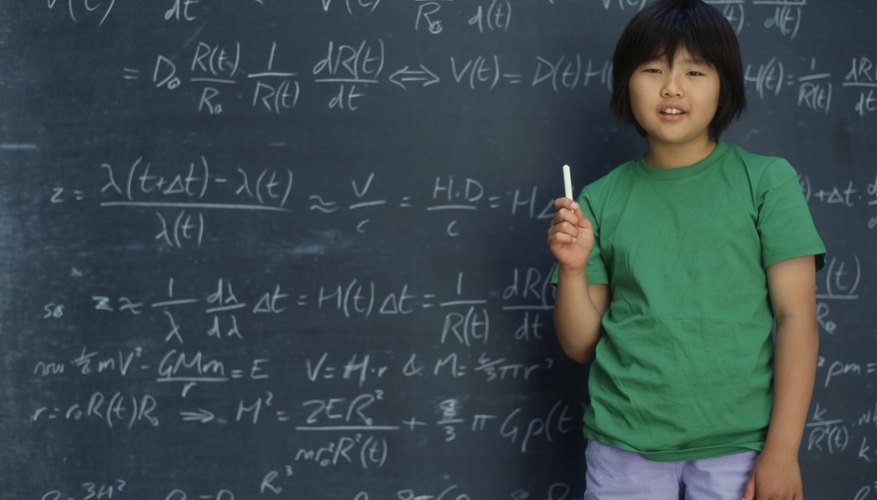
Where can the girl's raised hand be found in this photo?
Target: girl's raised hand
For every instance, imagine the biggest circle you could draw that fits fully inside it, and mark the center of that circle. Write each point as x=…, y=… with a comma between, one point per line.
x=570, y=235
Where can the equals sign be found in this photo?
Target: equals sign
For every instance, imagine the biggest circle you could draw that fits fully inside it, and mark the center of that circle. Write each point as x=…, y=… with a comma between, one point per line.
x=428, y=296
x=302, y=300
x=493, y=201
x=513, y=78
x=130, y=74
x=237, y=374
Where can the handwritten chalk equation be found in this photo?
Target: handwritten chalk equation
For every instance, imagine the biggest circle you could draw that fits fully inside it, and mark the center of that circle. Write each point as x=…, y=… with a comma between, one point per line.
x=276, y=482
x=815, y=89
x=89, y=490
x=465, y=315
x=181, y=196
x=435, y=16
x=839, y=282
x=214, y=78
x=826, y=434
x=852, y=195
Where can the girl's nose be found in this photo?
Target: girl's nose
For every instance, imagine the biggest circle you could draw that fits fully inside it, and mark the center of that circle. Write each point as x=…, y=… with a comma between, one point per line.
x=671, y=88
x=671, y=91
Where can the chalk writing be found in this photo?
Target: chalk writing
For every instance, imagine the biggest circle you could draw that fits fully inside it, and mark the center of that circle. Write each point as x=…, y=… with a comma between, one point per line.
x=250, y=247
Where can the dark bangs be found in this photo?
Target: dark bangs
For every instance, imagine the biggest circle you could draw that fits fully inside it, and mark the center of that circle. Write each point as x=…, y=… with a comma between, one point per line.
x=666, y=26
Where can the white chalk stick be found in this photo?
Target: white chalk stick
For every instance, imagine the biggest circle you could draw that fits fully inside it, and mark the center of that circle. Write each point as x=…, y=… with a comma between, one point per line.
x=567, y=182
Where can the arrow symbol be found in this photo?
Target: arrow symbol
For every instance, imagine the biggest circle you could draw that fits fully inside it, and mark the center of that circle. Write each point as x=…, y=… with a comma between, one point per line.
x=406, y=75
x=201, y=415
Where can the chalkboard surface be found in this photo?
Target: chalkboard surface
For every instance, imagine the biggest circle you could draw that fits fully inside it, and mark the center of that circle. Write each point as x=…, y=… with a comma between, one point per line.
x=296, y=249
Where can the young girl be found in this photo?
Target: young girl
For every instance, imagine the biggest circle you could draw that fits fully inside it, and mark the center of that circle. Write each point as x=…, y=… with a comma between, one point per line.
x=671, y=271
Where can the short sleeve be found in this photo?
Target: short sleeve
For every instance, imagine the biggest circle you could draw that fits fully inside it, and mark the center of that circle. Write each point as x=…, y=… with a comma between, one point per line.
x=596, y=270
x=784, y=222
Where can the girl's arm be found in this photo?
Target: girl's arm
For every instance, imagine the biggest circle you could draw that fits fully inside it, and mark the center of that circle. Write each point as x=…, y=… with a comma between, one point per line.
x=578, y=311
x=792, y=286
x=578, y=307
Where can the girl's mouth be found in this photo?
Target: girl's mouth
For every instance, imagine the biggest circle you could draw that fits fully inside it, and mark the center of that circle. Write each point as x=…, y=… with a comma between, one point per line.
x=672, y=113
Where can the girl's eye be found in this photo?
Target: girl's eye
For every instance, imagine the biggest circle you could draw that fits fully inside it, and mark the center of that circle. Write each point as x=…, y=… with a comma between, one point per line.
x=651, y=70
x=695, y=73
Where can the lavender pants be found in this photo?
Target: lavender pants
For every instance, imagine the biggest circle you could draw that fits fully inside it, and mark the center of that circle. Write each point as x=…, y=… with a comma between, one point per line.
x=615, y=474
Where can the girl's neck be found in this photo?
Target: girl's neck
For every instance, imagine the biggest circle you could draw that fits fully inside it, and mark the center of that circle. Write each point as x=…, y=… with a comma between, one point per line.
x=669, y=156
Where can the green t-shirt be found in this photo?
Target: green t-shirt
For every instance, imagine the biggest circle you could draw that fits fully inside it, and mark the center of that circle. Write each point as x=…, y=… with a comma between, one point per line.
x=684, y=367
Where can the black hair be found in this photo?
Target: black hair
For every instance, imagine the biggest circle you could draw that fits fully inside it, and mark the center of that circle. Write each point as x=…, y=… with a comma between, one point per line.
x=662, y=28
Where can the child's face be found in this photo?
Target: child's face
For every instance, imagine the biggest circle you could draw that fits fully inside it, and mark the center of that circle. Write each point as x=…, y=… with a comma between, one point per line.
x=675, y=105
